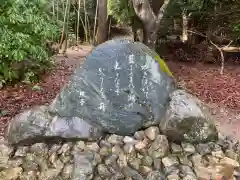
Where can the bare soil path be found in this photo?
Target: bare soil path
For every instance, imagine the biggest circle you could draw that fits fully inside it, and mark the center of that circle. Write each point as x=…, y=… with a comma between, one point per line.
x=222, y=93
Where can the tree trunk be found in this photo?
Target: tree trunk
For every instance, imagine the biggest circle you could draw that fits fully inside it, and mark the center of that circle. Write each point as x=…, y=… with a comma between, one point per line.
x=149, y=20
x=102, y=21
x=184, y=27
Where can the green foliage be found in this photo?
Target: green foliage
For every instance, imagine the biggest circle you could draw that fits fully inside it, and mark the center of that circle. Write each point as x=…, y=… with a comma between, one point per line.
x=25, y=27
x=120, y=10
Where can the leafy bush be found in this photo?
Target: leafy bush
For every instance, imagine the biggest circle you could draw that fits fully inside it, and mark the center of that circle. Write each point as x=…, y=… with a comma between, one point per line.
x=120, y=10
x=25, y=27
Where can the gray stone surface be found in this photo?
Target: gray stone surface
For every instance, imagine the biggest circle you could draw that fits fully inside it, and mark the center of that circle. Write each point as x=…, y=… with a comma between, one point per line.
x=37, y=124
x=120, y=88
x=188, y=119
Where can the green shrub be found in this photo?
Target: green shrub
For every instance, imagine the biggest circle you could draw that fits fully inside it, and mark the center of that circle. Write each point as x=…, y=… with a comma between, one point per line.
x=25, y=26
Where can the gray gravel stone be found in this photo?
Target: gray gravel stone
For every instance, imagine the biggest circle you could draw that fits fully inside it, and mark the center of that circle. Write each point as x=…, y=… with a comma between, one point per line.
x=176, y=149
x=147, y=161
x=139, y=135
x=39, y=149
x=188, y=148
x=170, y=161
x=152, y=132
x=103, y=171
x=129, y=140
x=159, y=148
x=21, y=151
x=135, y=163
x=115, y=139
x=11, y=173
x=129, y=172
x=155, y=175
x=83, y=167
x=67, y=171
x=93, y=146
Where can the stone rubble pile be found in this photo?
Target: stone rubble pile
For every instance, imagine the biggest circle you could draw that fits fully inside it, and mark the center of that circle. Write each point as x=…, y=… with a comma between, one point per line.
x=146, y=155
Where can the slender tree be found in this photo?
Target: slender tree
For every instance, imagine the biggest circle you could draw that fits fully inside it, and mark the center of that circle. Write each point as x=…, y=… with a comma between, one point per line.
x=102, y=21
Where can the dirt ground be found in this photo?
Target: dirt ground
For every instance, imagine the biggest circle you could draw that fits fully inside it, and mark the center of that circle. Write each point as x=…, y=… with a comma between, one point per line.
x=221, y=93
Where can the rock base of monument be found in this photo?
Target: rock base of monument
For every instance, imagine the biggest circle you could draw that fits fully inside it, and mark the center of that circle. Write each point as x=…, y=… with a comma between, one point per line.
x=145, y=155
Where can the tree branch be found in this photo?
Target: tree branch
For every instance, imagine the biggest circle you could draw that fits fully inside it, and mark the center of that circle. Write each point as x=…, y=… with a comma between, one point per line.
x=220, y=49
x=162, y=11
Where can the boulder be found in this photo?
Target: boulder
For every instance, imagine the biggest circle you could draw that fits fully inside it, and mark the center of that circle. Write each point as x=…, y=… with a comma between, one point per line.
x=188, y=119
x=37, y=124
x=120, y=88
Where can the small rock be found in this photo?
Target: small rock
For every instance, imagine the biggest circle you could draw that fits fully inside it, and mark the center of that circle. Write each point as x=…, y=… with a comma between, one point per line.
x=218, y=154
x=53, y=158
x=97, y=178
x=58, y=164
x=152, y=132
x=189, y=177
x=129, y=148
x=5, y=152
x=139, y=135
x=183, y=159
x=122, y=160
x=21, y=151
x=131, y=173
x=231, y=154
x=204, y=173
x=147, y=161
x=11, y=173
x=159, y=148
x=229, y=162
x=16, y=162
x=111, y=160
x=115, y=139
x=155, y=175
x=203, y=149
x=117, y=176
x=170, y=161
x=212, y=160
x=173, y=177
x=80, y=145
x=39, y=149
x=54, y=148
x=171, y=170
x=145, y=170
x=188, y=148
x=82, y=165
x=67, y=171
x=135, y=163
x=65, y=149
x=140, y=156
x=176, y=149
x=186, y=170
x=93, y=146
x=196, y=159
x=104, y=143
x=214, y=147
x=103, y=171
x=129, y=140
x=50, y=174
x=105, y=151
x=157, y=164
x=31, y=175
x=97, y=159
x=42, y=162
x=141, y=145
x=117, y=150
x=65, y=158
x=29, y=163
